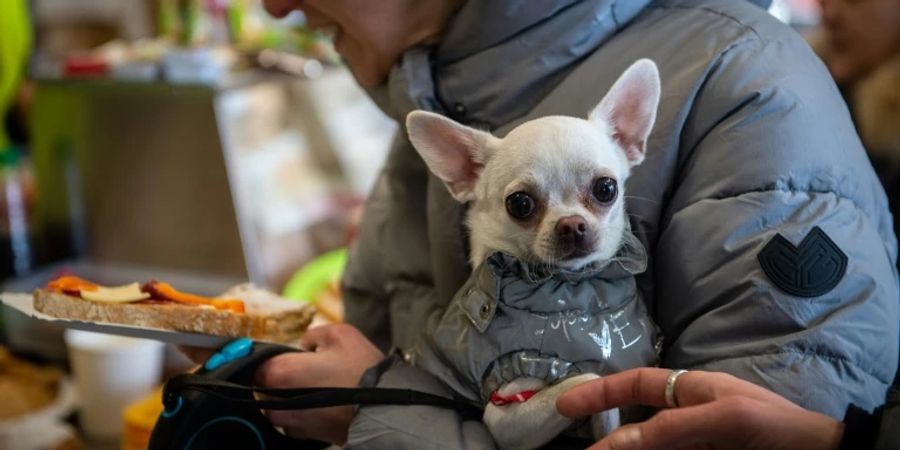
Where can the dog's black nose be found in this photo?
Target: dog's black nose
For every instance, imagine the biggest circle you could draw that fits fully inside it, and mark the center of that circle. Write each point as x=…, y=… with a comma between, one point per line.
x=572, y=229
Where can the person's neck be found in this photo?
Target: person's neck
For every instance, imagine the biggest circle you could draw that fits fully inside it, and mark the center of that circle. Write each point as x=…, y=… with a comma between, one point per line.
x=428, y=20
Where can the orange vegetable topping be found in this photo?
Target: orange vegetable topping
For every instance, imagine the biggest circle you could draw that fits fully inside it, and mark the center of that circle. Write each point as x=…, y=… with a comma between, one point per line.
x=166, y=291
x=70, y=283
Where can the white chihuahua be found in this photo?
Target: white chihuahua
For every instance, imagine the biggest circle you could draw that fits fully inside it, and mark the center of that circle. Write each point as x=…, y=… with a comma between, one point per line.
x=549, y=193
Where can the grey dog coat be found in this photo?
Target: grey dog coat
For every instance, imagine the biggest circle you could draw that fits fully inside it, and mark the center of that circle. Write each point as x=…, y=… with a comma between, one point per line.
x=512, y=320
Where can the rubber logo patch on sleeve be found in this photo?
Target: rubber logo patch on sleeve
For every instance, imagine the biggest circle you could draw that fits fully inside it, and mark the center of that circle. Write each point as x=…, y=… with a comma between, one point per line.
x=810, y=269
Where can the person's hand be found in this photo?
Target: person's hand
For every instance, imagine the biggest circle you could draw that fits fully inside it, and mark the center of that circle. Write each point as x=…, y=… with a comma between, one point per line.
x=337, y=357
x=198, y=355
x=716, y=410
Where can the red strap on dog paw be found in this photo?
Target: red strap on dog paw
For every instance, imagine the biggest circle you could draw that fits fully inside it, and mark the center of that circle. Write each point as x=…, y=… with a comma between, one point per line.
x=519, y=397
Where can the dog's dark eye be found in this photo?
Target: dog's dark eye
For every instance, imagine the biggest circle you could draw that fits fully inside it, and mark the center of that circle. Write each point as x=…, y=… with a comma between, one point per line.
x=520, y=205
x=605, y=190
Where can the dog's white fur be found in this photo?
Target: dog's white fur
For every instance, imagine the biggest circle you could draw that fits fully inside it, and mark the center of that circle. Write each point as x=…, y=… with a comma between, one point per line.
x=556, y=159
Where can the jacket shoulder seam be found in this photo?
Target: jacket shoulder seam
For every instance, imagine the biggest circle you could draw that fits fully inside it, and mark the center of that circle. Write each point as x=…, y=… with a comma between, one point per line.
x=830, y=357
x=714, y=12
x=729, y=196
x=762, y=190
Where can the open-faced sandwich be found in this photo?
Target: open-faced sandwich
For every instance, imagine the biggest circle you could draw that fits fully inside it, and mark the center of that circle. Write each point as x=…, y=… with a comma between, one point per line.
x=241, y=311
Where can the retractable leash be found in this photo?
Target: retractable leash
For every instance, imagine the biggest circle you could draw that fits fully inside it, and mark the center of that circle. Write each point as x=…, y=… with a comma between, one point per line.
x=215, y=407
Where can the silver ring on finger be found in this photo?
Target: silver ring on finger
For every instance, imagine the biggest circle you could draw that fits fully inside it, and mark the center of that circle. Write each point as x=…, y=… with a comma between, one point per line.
x=670, y=388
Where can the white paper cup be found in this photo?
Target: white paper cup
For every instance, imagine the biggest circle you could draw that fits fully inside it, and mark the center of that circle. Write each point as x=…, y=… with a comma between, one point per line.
x=110, y=372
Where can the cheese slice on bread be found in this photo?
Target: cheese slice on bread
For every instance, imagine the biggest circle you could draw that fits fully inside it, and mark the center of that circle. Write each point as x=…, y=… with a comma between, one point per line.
x=259, y=314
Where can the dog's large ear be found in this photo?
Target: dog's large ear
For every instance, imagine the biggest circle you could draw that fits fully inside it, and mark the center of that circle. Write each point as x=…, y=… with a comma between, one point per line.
x=629, y=109
x=453, y=152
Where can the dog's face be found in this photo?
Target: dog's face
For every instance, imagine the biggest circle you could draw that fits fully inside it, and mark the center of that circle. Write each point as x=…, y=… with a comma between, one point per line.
x=552, y=190
x=551, y=193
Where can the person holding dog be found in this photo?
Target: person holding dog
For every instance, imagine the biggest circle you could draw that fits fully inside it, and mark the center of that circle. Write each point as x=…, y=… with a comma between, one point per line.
x=719, y=411
x=771, y=248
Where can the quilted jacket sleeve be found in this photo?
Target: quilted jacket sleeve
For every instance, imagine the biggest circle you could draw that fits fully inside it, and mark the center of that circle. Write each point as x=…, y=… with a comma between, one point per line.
x=770, y=152
x=388, y=269
x=402, y=427
x=363, y=283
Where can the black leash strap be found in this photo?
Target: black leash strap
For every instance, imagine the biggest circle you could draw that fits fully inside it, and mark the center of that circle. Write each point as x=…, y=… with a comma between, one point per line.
x=309, y=398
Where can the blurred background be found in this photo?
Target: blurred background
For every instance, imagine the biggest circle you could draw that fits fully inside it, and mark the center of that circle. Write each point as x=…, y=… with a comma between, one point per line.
x=193, y=141
x=203, y=143
x=197, y=136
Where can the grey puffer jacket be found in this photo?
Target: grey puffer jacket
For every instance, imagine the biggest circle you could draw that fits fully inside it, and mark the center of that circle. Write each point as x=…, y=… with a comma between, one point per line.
x=752, y=145
x=513, y=321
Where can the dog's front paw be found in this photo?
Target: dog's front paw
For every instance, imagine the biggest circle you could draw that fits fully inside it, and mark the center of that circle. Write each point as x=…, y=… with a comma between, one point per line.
x=531, y=423
x=525, y=426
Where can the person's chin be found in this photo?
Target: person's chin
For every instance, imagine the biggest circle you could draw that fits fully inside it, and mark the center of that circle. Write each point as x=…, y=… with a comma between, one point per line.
x=365, y=73
x=843, y=70
x=364, y=67
x=367, y=79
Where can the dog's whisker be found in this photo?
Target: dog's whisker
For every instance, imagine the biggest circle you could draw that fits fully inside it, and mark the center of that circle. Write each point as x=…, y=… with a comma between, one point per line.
x=636, y=197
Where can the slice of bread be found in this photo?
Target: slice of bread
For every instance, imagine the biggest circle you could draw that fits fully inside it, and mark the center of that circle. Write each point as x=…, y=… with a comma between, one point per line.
x=267, y=317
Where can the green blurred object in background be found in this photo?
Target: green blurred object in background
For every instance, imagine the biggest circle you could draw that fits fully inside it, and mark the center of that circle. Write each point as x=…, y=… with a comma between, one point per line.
x=236, y=11
x=168, y=19
x=316, y=275
x=190, y=17
x=15, y=45
x=178, y=20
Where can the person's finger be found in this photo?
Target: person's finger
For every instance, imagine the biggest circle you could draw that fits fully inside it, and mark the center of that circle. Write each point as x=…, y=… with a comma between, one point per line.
x=319, y=338
x=287, y=370
x=644, y=386
x=196, y=354
x=295, y=424
x=721, y=422
x=626, y=437
x=316, y=423
x=637, y=386
x=298, y=420
x=295, y=433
